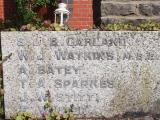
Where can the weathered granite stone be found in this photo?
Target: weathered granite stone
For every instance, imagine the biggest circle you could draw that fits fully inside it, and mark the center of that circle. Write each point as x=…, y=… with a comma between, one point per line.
x=144, y=118
x=101, y=73
x=118, y=9
x=149, y=9
x=129, y=10
x=156, y=9
x=146, y=9
x=134, y=21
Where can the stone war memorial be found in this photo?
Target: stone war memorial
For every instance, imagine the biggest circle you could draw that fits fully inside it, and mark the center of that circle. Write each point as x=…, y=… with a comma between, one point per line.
x=102, y=74
x=80, y=60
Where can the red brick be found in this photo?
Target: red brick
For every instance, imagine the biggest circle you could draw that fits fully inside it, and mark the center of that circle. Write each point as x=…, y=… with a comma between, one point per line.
x=83, y=1
x=1, y=9
x=7, y=8
x=82, y=16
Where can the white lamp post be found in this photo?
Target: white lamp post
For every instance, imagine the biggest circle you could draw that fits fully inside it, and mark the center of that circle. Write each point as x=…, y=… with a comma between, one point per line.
x=62, y=11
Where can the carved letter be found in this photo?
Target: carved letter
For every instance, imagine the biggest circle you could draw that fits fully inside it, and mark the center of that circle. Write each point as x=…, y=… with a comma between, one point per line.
x=22, y=54
x=58, y=83
x=53, y=42
x=41, y=69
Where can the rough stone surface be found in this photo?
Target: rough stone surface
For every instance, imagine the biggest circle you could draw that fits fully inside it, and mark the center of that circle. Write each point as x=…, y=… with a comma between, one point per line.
x=149, y=10
x=118, y=9
x=102, y=74
x=146, y=9
x=134, y=21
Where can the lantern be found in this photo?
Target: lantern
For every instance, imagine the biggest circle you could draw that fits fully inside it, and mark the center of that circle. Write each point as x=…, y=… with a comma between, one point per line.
x=63, y=14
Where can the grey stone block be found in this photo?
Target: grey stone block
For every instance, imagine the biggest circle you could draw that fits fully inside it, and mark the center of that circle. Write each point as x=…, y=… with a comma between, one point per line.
x=118, y=9
x=102, y=74
x=146, y=9
x=149, y=9
x=135, y=21
x=156, y=9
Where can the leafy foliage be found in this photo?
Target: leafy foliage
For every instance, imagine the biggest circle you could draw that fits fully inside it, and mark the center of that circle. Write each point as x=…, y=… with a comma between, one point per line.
x=43, y=27
x=147, y=26
x=22, y=116
x=52, y=114
x=25, y=9
x=40, y=3
x=49, y=112
x=48, y=26
x=40, y=26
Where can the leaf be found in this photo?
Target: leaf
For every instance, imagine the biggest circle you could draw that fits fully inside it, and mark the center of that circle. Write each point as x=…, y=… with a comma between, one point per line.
x=71, y=114
x=56, y=25
x=28, y=114
x=48, y=118
x=33, y=28
x=65, y=115
x=58, y=117
x=13, y=29
x=58, y=28
x=54, y=114
x=20, y=118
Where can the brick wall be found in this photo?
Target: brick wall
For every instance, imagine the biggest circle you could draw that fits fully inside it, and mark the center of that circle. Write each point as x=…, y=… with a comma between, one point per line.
x=82, y=14
x=1, y=10
x=7, y=8
x=135, y=11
